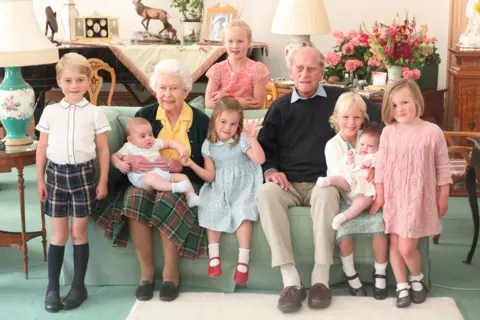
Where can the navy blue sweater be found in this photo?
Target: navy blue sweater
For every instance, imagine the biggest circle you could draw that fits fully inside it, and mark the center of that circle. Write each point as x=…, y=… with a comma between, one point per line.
x=294, y=135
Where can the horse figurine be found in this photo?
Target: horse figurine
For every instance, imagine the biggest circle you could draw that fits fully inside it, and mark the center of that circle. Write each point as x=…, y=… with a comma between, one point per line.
x=149, y=13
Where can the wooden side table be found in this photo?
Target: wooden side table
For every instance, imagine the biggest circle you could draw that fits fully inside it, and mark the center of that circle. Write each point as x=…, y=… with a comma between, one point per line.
x=19, y=157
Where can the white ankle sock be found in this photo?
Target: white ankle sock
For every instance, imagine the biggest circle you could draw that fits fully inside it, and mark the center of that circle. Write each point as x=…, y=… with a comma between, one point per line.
x=323, y=182
x=403, y=285
x=243, y=257
x=416, y=285
x=349, y=269
x=380, y=268
x=338, y=221
x=179, y=187
x=193, y=200
x=214, y=252
x=321, y=274
x=290, y=275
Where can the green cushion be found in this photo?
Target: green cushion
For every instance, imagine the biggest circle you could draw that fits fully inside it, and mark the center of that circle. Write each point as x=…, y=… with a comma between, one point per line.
x=198, y=103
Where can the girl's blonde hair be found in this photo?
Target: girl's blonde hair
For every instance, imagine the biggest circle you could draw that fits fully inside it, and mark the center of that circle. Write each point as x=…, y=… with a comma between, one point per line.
x=238, y=23
x=229, y=105
x=73, y=61
x=387, y=105
x=344, y=102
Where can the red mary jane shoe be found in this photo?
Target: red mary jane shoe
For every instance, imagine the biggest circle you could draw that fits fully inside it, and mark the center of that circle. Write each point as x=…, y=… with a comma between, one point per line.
x=241, y=277
x=214, y=271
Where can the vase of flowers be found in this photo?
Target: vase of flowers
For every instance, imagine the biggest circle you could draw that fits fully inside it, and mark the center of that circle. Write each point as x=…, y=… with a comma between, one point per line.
x=394, y=73
x=351, y=56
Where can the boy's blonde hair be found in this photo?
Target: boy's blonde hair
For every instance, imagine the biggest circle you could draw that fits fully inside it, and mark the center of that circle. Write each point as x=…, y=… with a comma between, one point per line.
x=344, y=102
x=241, y=24
x=230, y=105
x=73, y=61
x=134, y=123
x=387, y=105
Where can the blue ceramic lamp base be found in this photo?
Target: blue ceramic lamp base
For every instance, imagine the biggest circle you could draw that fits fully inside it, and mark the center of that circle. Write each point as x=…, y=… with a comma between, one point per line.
x=17, y=103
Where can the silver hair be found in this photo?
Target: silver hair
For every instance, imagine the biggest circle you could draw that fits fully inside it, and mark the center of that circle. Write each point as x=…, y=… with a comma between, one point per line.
x=175, y=67
x=318, y=55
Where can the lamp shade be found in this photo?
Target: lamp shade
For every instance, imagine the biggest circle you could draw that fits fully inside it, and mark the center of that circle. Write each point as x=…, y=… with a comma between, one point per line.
x=22, y=43
x=301, y=17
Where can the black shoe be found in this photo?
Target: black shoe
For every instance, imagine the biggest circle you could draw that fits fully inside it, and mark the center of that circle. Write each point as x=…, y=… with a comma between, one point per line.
x=168, y=291
x=52, y=301
x=404, y=301
x=358, y=292
x=74, y=298
x=419, y=296
x=145, y=290
x=379, y=294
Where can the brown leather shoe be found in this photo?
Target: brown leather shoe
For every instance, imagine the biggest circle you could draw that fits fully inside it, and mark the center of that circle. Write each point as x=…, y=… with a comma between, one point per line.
x=291, y=299
x=320, y=296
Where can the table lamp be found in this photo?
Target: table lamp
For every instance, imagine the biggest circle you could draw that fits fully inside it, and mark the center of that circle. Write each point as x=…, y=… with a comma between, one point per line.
x=22, y=43
x=300, y=19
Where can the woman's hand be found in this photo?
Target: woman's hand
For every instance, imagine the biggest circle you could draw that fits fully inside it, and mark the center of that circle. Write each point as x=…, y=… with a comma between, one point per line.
x=139, y=164
x=251, y=127
x=123, y=166
x=42, y=190
x=167, y=164
x=277, y=177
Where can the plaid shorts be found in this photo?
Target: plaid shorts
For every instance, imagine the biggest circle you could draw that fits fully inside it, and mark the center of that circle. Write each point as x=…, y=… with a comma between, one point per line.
x=71, y=190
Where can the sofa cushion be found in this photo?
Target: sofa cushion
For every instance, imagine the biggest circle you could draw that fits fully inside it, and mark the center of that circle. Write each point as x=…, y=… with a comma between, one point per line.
x=198, y=103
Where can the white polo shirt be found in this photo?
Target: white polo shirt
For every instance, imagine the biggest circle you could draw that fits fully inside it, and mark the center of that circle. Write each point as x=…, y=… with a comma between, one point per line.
x=71, y=131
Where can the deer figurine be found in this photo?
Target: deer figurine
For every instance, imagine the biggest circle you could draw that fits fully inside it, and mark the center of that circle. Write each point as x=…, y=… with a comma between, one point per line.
x=149, y=13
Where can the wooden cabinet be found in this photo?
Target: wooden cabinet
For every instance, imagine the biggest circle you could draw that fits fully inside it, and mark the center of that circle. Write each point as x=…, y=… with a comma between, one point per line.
x=465, y=72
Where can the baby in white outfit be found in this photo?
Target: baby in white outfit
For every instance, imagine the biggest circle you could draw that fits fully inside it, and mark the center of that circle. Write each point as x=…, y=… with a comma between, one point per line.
x=356, y=190
x=140, y=141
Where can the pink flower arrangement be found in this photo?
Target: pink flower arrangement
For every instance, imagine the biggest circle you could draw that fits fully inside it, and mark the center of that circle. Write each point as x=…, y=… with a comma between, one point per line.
x=352, y=65
x=397, y=44
x=411, y=74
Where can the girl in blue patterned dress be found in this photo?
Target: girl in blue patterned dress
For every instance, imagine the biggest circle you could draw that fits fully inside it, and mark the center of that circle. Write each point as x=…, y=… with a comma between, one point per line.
x=233, y=174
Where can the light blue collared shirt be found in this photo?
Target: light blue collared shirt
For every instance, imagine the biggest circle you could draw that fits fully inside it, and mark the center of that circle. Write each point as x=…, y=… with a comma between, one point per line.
x=320, y=92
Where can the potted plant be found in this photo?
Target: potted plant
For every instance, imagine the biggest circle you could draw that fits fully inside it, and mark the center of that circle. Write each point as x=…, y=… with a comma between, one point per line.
x=192, y=14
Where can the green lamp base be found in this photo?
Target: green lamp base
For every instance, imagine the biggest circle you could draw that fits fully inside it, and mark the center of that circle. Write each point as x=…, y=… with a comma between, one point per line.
x=17, y=104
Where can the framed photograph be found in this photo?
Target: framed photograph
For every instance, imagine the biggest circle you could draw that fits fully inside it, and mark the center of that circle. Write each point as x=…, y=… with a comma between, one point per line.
x=79, y=28
x=379, y=78
x=218, y=16
x=113, y=28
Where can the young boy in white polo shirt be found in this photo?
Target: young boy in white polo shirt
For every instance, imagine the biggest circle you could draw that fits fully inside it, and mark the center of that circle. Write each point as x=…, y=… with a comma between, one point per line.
x=72, y=133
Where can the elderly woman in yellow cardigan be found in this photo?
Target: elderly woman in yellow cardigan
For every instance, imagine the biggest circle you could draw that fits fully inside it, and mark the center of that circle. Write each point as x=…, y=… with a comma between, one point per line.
x=171, y=119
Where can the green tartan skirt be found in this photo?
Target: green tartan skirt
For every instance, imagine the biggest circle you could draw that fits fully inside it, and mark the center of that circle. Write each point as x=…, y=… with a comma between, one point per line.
x=166, y=211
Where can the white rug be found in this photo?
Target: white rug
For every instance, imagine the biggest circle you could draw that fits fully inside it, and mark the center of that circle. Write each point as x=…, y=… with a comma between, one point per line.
x=250, y=306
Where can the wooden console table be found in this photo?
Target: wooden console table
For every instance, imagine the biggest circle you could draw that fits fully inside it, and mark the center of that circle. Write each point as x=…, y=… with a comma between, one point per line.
x=19, y=157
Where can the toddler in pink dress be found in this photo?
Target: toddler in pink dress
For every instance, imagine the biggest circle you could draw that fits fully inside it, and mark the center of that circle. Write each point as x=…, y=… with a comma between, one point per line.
x=412, y=182
x=238, y=76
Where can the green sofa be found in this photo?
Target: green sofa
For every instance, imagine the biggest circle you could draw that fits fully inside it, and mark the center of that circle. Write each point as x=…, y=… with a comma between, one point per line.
x=110, y=265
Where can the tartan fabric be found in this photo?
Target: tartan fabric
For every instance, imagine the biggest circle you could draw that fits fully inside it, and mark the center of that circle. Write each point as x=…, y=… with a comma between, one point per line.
x=71, y=190
x=165, y=211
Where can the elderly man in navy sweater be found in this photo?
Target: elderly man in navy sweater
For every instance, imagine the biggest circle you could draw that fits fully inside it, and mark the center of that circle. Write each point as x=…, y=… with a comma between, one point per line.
x=295, y=132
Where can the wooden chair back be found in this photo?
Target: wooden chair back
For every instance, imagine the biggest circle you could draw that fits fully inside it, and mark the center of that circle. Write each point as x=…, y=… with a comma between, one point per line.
x=460, y=156
x=272, y=94
x=96, y=81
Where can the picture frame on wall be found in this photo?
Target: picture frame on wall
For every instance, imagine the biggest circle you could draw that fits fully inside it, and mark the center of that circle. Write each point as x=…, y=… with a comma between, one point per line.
x=218, y=16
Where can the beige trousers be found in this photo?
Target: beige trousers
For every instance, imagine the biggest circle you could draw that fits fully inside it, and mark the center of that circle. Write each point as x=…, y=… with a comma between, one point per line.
x=273, y=203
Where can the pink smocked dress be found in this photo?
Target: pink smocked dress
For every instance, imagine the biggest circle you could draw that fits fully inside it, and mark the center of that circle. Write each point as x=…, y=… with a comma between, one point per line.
x=238, y=84
x=412, y=162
